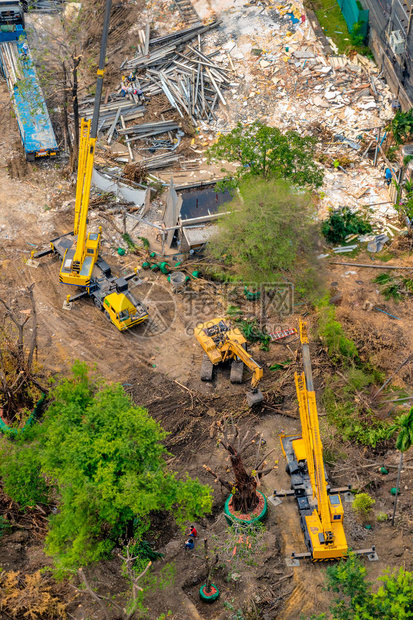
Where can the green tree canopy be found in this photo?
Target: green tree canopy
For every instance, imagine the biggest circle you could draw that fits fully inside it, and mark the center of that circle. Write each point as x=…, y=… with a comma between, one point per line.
x=356, y=599
x=266, y=152
x=270, y=236
x=104, y=460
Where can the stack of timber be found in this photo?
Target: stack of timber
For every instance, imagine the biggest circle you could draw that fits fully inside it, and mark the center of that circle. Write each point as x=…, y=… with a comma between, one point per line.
x=110, y=113
x=192, y=82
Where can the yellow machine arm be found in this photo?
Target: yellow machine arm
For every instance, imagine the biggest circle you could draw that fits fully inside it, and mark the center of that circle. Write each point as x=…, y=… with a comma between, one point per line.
x=84, y=181
x=78, y=263
x=234, y=348
x=81, y=169
x=311, y=434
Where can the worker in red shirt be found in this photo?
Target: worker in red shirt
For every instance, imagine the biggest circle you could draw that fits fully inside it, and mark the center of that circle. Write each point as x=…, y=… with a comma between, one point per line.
x=192, y=531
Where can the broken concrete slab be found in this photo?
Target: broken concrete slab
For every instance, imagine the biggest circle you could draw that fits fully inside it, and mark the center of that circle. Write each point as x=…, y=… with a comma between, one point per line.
x=378, y=243
x=106, y=184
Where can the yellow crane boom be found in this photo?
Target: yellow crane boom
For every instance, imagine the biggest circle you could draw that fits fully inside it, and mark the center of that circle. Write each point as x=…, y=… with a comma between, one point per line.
x=315, y=455
x=79, y=260
x=321, y=511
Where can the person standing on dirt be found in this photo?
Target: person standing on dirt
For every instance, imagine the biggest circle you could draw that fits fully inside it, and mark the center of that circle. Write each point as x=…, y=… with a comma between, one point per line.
x=25, y=49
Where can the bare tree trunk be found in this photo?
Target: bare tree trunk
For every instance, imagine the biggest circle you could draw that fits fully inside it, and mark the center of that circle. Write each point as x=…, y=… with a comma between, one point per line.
x=65, y=112
x=75, y=103
x=208, y=568
x=93, y=594
x=245, y=498
x=33, y=344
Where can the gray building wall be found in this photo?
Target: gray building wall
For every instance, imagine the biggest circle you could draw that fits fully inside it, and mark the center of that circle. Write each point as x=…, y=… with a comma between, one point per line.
x=384, y=17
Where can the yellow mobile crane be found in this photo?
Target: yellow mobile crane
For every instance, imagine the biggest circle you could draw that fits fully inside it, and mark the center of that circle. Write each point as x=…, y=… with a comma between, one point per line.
x=222, y=343
x=81, y=264
x=320, y=507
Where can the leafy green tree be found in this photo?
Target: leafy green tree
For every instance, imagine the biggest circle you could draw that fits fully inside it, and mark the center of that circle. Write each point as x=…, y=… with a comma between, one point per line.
x=402, y=126
x=267, y=152
x=19, y=469
x=404, y=441
x=269, y=236
x=105, y=458
x=356, y=599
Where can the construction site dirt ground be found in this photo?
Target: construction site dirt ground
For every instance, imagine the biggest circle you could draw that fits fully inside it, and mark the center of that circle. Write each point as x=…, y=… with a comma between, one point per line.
x=162, y=373
x=159, y=364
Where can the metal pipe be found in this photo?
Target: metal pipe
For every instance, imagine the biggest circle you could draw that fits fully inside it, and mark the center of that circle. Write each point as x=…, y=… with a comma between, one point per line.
x=99, y=83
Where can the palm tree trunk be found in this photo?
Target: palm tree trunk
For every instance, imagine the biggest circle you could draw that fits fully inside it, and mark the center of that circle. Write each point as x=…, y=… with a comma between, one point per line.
x=397, y=488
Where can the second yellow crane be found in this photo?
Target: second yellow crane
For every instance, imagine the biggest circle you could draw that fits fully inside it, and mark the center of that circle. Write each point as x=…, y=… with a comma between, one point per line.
x=321, y=510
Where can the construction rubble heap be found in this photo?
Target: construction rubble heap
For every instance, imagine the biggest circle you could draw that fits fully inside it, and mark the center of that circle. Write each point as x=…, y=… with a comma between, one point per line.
x=254, y=62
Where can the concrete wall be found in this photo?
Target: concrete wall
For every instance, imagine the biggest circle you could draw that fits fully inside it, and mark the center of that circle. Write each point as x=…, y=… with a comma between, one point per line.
x=387, y=15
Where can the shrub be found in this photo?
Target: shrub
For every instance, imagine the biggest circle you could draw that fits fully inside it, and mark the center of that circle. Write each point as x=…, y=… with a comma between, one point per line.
x=363, y=505
x=339, y=225
x=269, y=236
x=332, y=334
x=5, y=526
x=20, y=471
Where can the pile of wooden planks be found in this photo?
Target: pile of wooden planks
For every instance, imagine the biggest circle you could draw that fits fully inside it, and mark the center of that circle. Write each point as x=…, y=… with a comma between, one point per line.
x=147, y=130
x=192, y=82
x=112, y=111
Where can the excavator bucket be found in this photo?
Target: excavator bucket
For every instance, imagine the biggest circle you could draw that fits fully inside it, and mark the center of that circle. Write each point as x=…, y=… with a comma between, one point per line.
x=254, y=398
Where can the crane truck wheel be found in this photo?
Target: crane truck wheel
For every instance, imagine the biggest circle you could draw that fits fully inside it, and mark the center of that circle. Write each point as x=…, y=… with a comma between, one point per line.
x=98, y=303
x=107, y=315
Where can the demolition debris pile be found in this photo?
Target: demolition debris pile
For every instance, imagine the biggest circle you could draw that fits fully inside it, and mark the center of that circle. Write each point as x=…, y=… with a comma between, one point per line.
x=191, y=80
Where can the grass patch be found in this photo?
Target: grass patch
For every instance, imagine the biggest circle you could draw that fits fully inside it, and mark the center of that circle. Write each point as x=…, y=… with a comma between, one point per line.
x=394, y=287
x=345, y=407
x=339, y=347
x=334, y=25
x=385, y=256
x=354, y=421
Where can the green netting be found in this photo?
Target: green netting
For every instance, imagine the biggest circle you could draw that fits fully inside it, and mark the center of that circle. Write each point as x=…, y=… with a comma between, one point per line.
x=354, y=13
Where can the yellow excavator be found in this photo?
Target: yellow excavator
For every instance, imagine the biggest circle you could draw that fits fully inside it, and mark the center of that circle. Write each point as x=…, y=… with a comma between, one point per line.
x=222, y=343
x=81, y=264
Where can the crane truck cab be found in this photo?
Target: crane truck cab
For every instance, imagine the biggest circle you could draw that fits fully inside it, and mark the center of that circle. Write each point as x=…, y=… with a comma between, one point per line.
x=123, y=310
x=79, y=273
x=11, y=20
